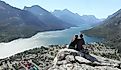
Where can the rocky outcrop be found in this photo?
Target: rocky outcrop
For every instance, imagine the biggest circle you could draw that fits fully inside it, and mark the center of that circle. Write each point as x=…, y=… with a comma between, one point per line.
x=69, y=59
x=58, y=57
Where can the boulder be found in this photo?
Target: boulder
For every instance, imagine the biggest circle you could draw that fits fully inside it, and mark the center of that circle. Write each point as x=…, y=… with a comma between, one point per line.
x=81, y=59
x=61, y=55
x=69, y=59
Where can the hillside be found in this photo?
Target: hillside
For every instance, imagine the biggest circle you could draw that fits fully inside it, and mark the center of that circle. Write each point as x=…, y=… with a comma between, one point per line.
x=91, y=20
x=16, y=23
x=110, y=30
x=49, y=19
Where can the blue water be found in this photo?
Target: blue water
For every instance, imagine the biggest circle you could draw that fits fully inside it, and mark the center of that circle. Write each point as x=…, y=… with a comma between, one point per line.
x=43, y=39
x=64, y=36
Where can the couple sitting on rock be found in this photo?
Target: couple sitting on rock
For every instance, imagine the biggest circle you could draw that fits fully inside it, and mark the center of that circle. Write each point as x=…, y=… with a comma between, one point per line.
x=77, y=43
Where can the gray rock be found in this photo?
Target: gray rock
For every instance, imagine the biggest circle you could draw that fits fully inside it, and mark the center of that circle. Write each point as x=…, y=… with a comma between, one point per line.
x=69, y=66
x=81, y=59
x=80, y=62
x=61, y=62
x=69, y=58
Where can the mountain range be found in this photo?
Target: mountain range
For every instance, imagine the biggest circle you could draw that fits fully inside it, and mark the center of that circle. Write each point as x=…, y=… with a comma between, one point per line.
x=110, y=29
x=16, y=23
x=46, y=17
x=75, y=18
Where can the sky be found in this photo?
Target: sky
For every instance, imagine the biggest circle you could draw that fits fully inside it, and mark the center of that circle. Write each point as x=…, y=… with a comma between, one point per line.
x=99, y=8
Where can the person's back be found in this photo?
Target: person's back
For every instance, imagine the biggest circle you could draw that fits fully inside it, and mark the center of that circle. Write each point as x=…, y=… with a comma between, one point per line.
x=73, y=43
x=80, y=43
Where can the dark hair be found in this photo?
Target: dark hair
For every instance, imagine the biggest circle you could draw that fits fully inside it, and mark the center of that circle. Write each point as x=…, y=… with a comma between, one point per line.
x=81, y=35
x=76, y=36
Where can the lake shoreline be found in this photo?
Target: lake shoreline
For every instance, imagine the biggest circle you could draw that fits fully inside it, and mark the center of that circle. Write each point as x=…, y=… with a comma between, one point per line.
x=41, y=39
x=32, y=35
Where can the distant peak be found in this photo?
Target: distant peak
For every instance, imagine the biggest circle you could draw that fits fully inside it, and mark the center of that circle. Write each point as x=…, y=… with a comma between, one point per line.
x=2, y=2
x=91, y=16
x=37, y=6
x=34, y=6
x=66, y=10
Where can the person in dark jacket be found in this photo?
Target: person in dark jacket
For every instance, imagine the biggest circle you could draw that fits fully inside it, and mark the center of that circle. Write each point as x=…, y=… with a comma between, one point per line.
x=80, y=43
x=73, y=43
